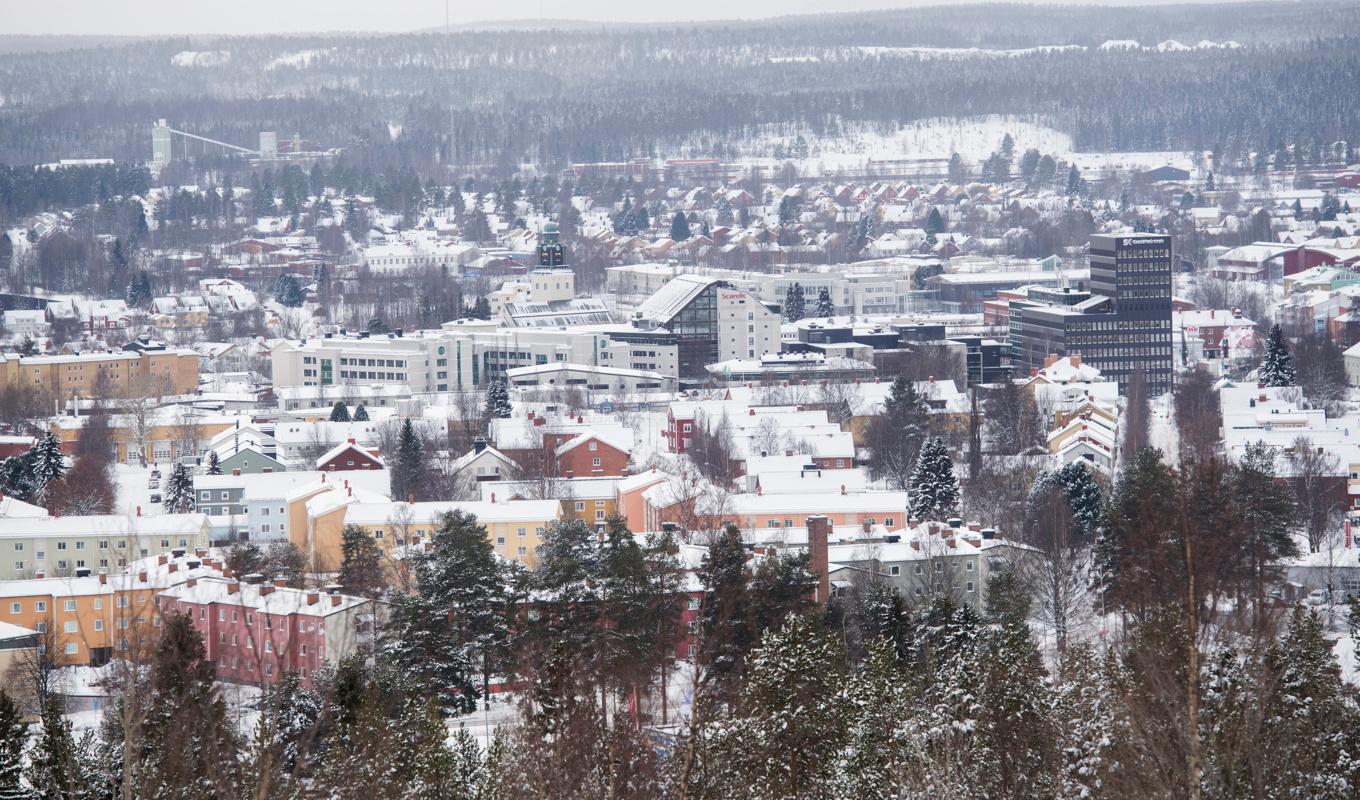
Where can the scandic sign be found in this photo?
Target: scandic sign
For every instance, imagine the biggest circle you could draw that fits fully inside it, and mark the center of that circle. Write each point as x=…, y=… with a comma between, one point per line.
x=1136, y=242
x=734, y=295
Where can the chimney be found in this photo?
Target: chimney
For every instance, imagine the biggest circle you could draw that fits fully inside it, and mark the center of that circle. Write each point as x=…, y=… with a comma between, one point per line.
x=751, y=412
x=139, y=511
x=410, y=499
x=191, y=583
x=580, y=420
x=313, y=597
x=233, y=587
x=351, y=440
x=235, y=473
x=103, y=577
x=172, y=567
x=819, y=531
x=842, y=489
x=266, y=589
x=1076, y=359
x=493, y=497
x=912, y=522
x=478, y=444
x=40, y=574
x=975, y=527
x=281, y=583
x=161, y=559
x=141, y=576
x=337, y=599
x=200, y=552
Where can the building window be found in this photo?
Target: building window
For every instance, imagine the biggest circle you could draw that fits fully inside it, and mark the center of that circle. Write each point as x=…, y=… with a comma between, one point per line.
x=40, y=606
x=69, y=605
x=15, y=608
x=70, y=626
x=895, y=570
x=72, y=648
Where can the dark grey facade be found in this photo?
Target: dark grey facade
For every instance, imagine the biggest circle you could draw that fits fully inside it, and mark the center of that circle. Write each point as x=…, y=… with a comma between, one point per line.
x=1122, y=325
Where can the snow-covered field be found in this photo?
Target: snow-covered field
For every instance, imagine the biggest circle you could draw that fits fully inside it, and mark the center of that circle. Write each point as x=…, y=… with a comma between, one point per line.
x=200, y=58
x=973, y=138
x=300, y=59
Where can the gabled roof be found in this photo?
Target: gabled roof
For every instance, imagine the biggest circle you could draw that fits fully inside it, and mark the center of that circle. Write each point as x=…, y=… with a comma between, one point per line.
x=616, y=442
x=340, y=449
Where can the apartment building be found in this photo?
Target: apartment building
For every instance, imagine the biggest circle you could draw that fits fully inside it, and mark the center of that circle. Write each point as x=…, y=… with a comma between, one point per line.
x=62, y=546
x=115, y=374
x=318, y=514
x=86, y=618
x=255, y=631
x=459, y=358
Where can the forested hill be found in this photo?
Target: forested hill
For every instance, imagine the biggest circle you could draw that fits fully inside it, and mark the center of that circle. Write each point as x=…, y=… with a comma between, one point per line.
x=509, y=96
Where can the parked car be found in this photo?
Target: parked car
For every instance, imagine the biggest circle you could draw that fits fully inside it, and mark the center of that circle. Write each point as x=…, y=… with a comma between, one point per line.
x=1317, y=597
x=155, y=498
x=154, y=483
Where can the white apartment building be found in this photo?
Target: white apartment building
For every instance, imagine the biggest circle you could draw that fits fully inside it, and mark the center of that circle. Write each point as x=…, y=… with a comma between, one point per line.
x=460, y=359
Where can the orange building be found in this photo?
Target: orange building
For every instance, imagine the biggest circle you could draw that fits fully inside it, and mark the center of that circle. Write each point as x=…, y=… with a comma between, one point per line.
x=116, y=374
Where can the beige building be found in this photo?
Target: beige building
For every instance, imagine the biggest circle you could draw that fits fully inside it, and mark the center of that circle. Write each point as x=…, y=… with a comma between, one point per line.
x=114, y=374
x=319, y=512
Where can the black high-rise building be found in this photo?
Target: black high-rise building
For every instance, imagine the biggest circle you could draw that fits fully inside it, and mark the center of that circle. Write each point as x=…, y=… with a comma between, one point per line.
x=1122, y=324
x=550, y=252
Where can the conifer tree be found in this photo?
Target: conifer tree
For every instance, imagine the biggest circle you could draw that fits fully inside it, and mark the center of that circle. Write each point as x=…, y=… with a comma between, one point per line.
x=724, y=634
x=47, y=464
x=340, y=412
x=361, y=569
x=214, y=463
x=498, y=400
x=13, y=741
x=408, y=468
x=1278, y=367
x=794, y=303
x=361, y=413
x=679, y=227
x=934, y=490
x=826, y=308
x=187, y=748
x=53, y=766
x=179, y=491
x=894, y=438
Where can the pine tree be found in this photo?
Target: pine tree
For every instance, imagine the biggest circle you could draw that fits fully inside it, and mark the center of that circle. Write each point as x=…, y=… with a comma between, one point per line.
x=725, y=635
x=179, y=492
x=376, y=327
x=792, y=721
x=408, y=469
x=1209, y=181
x=53, y=767
x=679, y=227
x=1076, y=185
x=361, y=569
x=825, y=307
x=498, y=400
x=481, y=309
x=1278, y=367
x=139, y=291
x=13, y=741
x=187, y=749
x=340, y=412
x=794, y=303
x=934, y=490
x=426, y=653
x=361, y=413
x=462, y=573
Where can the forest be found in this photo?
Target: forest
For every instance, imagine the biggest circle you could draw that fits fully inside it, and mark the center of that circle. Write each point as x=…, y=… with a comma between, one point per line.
x=501, y=98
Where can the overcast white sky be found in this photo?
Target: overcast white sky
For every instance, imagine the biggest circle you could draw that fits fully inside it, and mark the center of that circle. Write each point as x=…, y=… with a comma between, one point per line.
x=162, y=17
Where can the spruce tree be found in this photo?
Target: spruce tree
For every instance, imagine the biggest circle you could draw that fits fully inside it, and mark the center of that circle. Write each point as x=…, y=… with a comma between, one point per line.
x=179, y=492
x=825, y=307
x=894, y=437
x=47, y=464
x=408, y=469
x=340, y=412
x=724, y=630
x=361, y=413
x=934, y=490
x=13, y=741
x=934, y=221
x=679, y=227
x=53, y=766
x=794, y=303
x=427, y=655
x=1278, y=367
x=498, y=400
x=214, y=463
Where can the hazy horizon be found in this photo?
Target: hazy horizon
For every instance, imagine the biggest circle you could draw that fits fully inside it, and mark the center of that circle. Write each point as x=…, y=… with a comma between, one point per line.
x=157, y=18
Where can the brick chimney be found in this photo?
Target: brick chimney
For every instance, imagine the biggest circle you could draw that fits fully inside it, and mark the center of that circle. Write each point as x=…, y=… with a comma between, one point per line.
x=266, y=589
x=161, y=559
x=191, y=583
x=235, y=472
x=172, y=567
x=103, y=578
x=233, y=587
x=337, y=599
x=313, y=598
x=280, y=583
x=141, y=576
x=819, y=532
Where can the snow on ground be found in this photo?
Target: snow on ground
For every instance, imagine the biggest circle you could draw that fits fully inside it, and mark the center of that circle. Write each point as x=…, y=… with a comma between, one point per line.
x=965, y=52
x=200, y=58
x=302, y=58
x=973, y=138
x=1346, y=657
x=134, y=490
